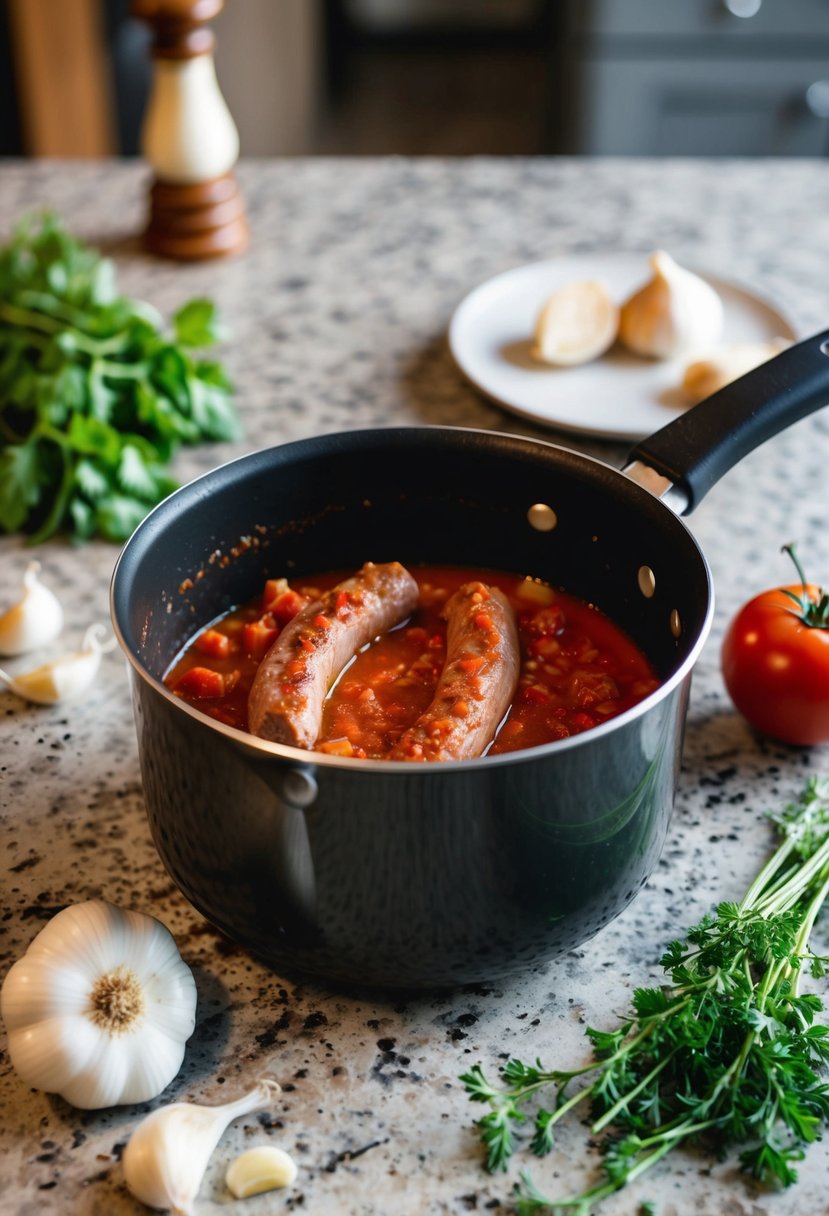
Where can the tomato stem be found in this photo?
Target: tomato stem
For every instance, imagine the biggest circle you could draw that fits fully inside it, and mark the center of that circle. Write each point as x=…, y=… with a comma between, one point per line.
x=812, y=612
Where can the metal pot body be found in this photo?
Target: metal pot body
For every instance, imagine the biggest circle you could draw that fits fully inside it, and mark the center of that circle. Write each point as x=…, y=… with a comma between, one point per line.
x=410, y=875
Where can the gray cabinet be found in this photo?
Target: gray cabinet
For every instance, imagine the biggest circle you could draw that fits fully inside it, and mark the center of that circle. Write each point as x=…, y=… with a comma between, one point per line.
x=691, y=78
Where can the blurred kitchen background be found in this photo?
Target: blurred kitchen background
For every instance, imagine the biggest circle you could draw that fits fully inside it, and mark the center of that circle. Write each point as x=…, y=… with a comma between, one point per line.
x=439, y=77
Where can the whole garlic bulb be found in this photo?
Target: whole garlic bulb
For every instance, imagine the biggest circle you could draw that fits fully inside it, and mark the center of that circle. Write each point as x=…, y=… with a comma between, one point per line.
x=675, y=312
x=99, y=1007
x=35, y=620
x=577, y=323
x=167, y=1154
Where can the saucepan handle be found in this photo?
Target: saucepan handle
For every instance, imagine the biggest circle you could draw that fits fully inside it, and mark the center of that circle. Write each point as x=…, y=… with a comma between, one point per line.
x=695, y=450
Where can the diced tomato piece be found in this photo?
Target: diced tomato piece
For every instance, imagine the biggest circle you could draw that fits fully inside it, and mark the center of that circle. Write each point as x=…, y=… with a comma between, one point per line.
x=307, y=645
x=558, y=730
x=213, y=643
x=482, y=621
x=544, y=647
x=535, y=695
x=547, y=621
x=341, y=601
x=337, y=747
x=580, y=722
x=201, y=683
x=285, y=607
x=321, y=621
x=274, y=587
x=257, y=638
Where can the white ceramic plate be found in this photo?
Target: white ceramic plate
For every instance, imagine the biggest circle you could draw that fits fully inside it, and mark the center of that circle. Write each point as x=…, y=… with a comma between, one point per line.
x=618, y=396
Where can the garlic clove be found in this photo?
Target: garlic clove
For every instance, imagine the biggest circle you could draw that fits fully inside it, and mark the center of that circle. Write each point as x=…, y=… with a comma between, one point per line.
x=104, y=1074
x=48, y=1054
x=674, y=312
x=152, y=1059
x=63, y=678
x=265, y=1168
x=99, y=1007
x=167, y=1154
x=50, y=991
x=706, y=376
x=578, y=323
x=35, y=620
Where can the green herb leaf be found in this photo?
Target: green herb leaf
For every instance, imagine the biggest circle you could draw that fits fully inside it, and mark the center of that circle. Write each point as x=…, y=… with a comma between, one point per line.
x=726, y=1055
x=22, y=477
x=95, y=398
x=197, y=324
x=118, y=515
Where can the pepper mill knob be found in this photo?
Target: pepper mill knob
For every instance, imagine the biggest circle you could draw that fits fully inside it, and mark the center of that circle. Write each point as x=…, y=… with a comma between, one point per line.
x=189, y=137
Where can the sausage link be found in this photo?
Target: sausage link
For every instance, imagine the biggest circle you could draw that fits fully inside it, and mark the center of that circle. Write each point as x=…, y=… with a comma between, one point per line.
x=478, y=680
x=286, y=699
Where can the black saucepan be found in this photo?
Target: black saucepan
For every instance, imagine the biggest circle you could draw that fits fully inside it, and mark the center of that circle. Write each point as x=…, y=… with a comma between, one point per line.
x=417, y=875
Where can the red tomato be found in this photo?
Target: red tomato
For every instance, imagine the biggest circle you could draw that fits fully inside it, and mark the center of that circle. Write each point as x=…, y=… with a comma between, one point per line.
x=775, y=662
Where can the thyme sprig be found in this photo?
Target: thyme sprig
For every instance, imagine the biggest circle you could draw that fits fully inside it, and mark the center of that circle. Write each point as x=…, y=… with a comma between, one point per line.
x=727, y=1055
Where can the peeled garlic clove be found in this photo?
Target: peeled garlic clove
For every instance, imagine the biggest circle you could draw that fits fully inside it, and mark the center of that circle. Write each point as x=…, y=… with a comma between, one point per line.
x=675, y=311
x=167, y=1154
x=63, y=678
x=35, y=620
x=577, y=323
x=266, y=1168
x=706, y=376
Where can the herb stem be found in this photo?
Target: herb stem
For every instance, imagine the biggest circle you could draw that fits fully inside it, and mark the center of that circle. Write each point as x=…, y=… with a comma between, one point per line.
x=728, y=1049
x=122, y=371
x=26, y=318
x=621, y=1103
x=769, y=870
x=52, y=521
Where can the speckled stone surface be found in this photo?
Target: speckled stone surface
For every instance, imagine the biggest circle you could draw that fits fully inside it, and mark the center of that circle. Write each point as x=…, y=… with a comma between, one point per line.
x=339, y=312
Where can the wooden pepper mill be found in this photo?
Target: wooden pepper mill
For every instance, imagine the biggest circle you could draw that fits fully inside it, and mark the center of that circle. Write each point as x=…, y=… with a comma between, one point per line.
x=189, y=138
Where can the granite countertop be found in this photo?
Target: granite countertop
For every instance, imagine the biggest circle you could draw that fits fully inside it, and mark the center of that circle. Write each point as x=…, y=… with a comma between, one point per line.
x=339, y=313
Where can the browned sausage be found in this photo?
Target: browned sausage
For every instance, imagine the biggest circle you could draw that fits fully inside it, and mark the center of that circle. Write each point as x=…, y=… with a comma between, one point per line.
x=478, y=680
x=286, y=699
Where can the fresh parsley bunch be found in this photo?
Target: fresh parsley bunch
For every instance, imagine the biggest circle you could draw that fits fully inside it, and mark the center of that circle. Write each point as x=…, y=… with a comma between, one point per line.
x=94, y=397
x=727, y=1054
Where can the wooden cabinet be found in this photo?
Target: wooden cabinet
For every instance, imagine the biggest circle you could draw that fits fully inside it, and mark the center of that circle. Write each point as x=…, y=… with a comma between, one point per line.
x=644, y=77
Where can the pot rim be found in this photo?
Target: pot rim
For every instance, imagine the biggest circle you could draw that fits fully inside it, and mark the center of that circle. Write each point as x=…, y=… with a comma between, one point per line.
x=264, y=748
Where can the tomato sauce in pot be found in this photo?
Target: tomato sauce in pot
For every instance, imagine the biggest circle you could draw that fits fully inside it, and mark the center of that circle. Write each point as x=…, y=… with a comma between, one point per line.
x=577, y=669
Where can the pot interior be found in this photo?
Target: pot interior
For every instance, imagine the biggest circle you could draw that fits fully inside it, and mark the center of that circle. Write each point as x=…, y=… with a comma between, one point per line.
x=436, y=495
